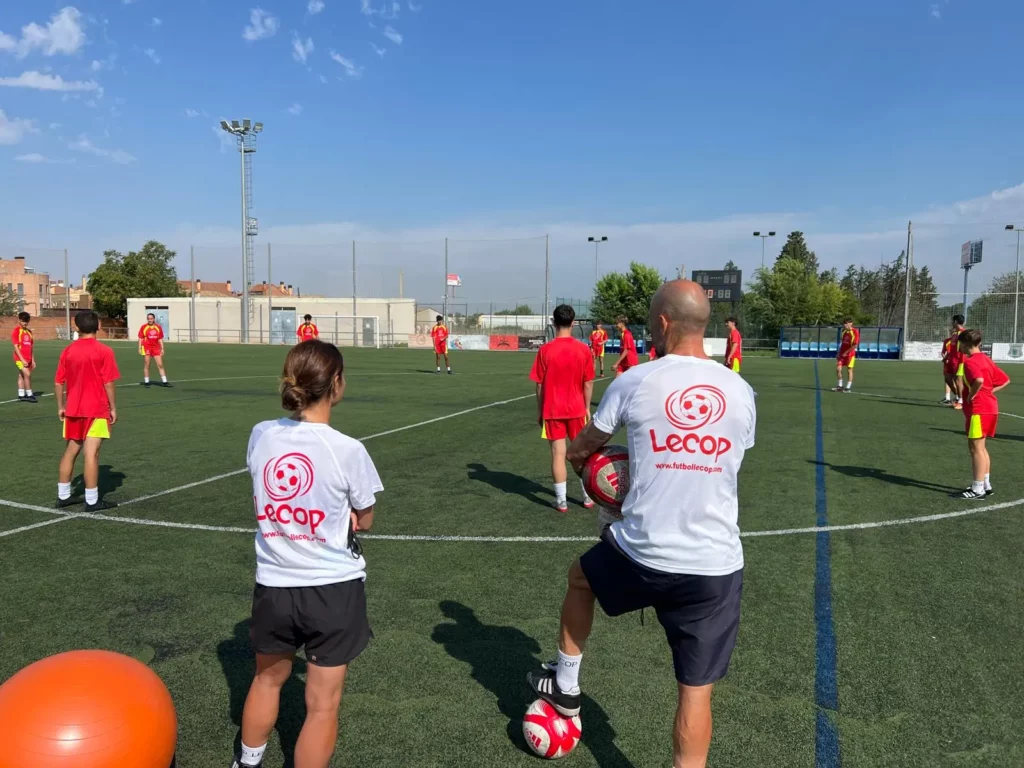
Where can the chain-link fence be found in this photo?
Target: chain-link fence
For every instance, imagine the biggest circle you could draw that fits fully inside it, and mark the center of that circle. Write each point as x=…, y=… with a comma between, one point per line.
x=996, y=315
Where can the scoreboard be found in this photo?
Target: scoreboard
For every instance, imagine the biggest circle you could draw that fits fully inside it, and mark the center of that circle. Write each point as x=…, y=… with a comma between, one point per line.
x=720, y=284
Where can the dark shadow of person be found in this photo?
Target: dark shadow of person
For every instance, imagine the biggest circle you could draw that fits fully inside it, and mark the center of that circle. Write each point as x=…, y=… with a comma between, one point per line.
x=499, y=658
x=507, y=482
x=871, y=473
x=109, y=481
x=238, y=662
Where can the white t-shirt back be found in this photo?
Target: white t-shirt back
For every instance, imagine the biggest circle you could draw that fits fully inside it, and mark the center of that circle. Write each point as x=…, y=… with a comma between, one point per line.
x=306, y=480
x=689, y=422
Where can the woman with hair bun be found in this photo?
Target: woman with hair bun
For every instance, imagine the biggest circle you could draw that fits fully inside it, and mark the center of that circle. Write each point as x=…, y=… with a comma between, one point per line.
x=314, y=489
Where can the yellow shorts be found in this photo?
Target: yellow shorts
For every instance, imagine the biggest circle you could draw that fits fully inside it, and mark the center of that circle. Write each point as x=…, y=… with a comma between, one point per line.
x=19, y=365
x=99, y=428
x=736, y=366
x=960, y=371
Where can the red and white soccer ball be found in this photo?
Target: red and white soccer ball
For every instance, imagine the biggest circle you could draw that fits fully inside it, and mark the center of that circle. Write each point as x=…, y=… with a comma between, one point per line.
x=606, y=477
x=548, y=733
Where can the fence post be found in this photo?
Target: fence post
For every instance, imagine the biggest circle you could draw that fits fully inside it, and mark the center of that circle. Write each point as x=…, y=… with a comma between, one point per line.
x=193, y=336
x=906, y=297
x=67, y=295
x=270, y=299
x=354, y=293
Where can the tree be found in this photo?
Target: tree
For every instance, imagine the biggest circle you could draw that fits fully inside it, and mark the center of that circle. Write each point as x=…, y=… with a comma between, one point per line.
x=141, y=274
x=522, y=309
x=993, y=311
x=796, y=249
x=9, y=304
x=628, y=294
x=881, y=294
x=791, y=294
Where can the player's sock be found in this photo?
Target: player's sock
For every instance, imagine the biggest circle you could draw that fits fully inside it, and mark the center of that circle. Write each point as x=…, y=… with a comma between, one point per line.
x=21, y=393
x=28, y=393
x=849, y=386
x=840, y=384
x=146, y=379
x=988, y=482
x=978, y=486
x=92, y=495
x=252, y=756
x=449, y=369
x=586, y=496
x=163, y=378
x=567, y=676
x=439, y=369
x=559, y=491
x=63, y=491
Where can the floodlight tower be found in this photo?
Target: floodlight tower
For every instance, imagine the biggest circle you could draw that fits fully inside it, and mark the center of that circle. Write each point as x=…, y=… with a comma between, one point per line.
x=764, y=236
x=597, y=255
x=245, y=132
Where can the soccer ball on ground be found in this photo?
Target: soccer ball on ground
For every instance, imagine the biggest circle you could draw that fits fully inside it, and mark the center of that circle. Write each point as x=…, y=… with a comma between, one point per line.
x=606, y=477
x=548, y=733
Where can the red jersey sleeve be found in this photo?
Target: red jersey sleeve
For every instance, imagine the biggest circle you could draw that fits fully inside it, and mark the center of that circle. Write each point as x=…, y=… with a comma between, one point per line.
x=974, y=368
x=537, y=372
x=999, y=377
x=588, y=366
x=110, y=372
x=62, y=373
x=159, y=332
x=142, y=332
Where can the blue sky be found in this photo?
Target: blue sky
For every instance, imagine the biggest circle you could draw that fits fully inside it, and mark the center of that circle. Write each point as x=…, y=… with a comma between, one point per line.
x=674, y=127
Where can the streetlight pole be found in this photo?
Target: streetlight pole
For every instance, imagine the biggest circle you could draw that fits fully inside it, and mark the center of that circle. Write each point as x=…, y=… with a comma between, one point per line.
x=597, y=263
x=245, y=132
x=1016, y=278
x=763, y=238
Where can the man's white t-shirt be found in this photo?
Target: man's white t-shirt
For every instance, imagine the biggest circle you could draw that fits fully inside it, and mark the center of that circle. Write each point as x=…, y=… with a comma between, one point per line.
x=306, y=480
x=690, y=420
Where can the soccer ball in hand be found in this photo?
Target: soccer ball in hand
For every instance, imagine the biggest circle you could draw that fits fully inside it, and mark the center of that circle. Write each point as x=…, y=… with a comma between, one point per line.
x=606, y=477
x=548, y=733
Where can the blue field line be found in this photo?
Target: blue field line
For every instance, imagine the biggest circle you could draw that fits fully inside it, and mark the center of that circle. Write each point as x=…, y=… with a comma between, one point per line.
x=826, y=688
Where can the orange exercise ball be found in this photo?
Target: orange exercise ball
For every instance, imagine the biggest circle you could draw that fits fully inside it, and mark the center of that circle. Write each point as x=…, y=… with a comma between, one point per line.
x=86, y=709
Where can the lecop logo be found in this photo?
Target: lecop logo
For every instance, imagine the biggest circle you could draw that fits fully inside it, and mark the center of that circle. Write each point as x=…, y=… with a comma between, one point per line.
x=695, y=407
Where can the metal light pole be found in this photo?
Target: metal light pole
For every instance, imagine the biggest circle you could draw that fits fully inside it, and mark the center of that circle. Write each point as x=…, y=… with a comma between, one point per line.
x=763, y=238
x=245, y=132
x=597, y=252
x=1016, y=278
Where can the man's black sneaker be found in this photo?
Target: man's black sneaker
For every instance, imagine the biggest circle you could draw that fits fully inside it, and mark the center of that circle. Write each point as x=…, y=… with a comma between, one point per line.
x=100, y=505
x=236, y=762
x=166, y=384
x=145, y=384
x=968, y=494
x=31, y=399
x=544, y=685
x=449, y=371
x=989, y=491
x=70, y=501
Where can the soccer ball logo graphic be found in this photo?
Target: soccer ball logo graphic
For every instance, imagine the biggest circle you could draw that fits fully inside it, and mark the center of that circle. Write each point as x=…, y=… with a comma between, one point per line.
x=696, y=407
x=288, y=477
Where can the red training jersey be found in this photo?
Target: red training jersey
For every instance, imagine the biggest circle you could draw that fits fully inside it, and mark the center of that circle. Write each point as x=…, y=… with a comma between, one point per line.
x=597, y=340
x=22, y=340
x=150, y=336
x=734, y=347
x=308, y=331
x=848, y=341
x=562, y=367
x=629, y=345
x=956, y=357
x=947, y=346
x=980, y=366
x=85, y=366
x=439, y=333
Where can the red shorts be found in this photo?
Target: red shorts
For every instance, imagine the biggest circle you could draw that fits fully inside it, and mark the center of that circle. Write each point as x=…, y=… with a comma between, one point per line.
x=80, y=427
x=560, y=429
x=980, y=425
x=441, y=348
x=152, y=350
x=847, y=360
x=625, y=365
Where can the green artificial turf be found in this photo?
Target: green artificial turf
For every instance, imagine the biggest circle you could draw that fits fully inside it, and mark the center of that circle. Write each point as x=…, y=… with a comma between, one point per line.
x=927, y=616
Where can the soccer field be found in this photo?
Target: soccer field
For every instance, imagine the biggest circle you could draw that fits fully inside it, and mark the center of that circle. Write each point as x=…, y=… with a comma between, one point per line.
x=890, y=637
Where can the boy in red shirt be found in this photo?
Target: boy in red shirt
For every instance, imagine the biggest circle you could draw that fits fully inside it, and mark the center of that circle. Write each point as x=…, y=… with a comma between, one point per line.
x=564, y=373
x=597, y=341
x=733, y=346
x=849, y=338
x=627, y=357
x=151, y=344
x=981, y=410
x=85, y=404
x=439, y=333
x=954, y=362
x=308, y=329
x=21, y=338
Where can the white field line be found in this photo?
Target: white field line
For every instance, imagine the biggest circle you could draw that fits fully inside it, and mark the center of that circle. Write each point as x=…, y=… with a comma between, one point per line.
x=897, y=397
x=43, y=524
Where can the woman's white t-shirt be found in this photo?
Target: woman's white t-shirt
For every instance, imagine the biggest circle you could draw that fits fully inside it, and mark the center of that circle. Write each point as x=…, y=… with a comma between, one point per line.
x=306, y=480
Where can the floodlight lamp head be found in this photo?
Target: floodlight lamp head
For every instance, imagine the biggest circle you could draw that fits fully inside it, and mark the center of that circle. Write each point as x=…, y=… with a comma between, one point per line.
x=258, y=127
x=1010, y=227
x=757, y=234
x=247, y=124
x=224, y=125
x=771, y=234
x=235, y=126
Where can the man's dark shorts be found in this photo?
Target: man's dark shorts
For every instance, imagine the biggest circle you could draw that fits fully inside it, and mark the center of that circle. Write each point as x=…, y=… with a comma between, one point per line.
x=700, y=614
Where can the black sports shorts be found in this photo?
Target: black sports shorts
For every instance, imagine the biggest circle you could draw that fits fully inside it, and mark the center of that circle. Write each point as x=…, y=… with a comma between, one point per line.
x=700, y=614
x=328, y=621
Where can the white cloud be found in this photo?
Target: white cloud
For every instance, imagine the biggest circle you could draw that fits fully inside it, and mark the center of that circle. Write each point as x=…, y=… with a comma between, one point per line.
x=315, y=6
x=54, y=126
x=936, y=11
x=33, y=157
x=96, y=66
x=41, y=82
x=415, y=8
x=261, y=25
x=119, y=156
x=13, y=129
x=91, y=104
x=300, y=49
x=348, y=65
x=225, y=139
x=384, y=10
x=378, y=50
x=191, y=113
x=64, y=33
x=107, y=63
x=152, y=55
x=393, y=35
x=127, y=2
x=156, y=22
x=323, y=79
x=295, y=109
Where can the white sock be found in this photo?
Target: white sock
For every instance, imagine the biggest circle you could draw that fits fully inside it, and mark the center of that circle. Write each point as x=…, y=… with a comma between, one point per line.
x=146, y=379
x=559, y=491
x=988, y=482
x=849, y=384
x=567, y=677
x=252, y=756
x=21, y=393
x=439, y=369
x=63, y=491
x=946, y=398
x=449, y=369
x=586, y=496
x=28, y=392
x=978, y=486
x=840, y=384
x=92, y=495
x=163, y=378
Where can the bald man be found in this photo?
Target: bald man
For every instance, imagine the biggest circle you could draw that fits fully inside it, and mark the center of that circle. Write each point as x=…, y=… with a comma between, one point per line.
x=677, y=548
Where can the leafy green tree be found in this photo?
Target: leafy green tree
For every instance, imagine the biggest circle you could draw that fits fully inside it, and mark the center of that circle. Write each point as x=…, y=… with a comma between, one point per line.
x=992, y=312
x=522, y=309
x=146, y=273
x=8, y=301
x=791, y=294
x=626, y=294
x=797, y=250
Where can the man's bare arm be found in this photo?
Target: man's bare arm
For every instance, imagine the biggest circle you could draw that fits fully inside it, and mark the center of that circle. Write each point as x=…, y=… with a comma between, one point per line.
x=58, y=395
x=540, y=405
x=109, y=387
x=588, y=393
x=587, y=443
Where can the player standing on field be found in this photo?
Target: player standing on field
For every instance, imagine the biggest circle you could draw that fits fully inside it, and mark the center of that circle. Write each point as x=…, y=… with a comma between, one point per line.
x=627, y=357
x=564, y=374
x=733, y=346
x=849, y=339
x=598, y=338
x=957, y=361
x=151, y=345
x=677, y=548
x=307, y=330
x=439, y=333
x=981, y=410
x=24, y=360
x=948, y=371
x=84, y=393
x=314, y=489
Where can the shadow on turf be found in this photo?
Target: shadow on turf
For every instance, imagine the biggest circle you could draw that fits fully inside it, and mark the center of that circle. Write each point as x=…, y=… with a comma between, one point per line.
x=239, y=665
x=499, y=658
x=1013, y=438
x=870, y=473
x=508, y=482
x=109, y=482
